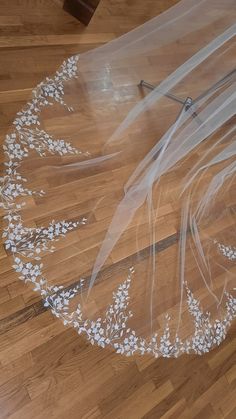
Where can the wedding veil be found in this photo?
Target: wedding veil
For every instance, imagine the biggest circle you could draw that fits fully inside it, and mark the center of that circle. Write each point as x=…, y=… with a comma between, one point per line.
x=128, y=151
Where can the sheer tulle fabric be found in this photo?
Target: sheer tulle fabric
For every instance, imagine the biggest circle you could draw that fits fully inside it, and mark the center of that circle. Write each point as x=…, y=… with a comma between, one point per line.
x=120, y=199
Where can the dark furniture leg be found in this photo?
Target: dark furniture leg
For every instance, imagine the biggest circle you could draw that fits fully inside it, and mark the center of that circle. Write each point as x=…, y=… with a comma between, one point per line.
x=83, y=10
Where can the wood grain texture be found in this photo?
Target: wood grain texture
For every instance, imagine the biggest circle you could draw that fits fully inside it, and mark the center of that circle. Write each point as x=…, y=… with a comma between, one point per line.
x=47, y=370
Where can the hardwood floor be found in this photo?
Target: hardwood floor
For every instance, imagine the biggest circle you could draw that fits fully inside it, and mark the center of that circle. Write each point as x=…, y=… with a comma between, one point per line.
x=47, y=370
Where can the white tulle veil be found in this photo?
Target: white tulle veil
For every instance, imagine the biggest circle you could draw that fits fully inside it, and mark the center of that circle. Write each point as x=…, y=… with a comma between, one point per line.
x=128, y=151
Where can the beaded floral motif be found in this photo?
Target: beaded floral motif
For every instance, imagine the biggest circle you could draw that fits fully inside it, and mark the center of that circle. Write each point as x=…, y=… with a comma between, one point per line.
x=30, y=243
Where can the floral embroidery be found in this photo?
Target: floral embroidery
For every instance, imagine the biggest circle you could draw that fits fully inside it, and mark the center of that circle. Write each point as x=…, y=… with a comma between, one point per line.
x=46, y=93
x=30, y=243
x=228, y=251
x=208, y=334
